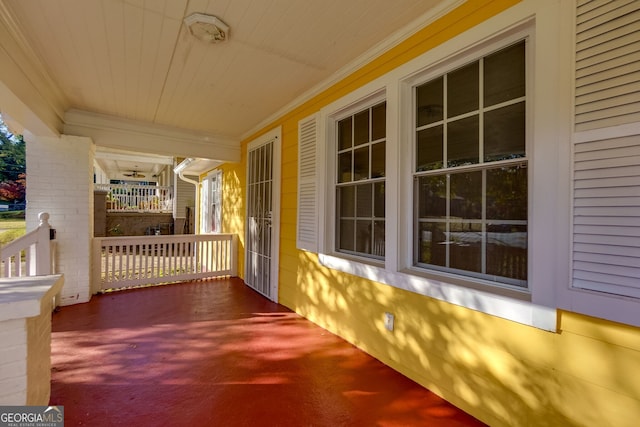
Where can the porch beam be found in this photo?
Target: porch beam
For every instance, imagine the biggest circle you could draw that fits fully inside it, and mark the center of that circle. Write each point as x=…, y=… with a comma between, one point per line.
x=124, y=134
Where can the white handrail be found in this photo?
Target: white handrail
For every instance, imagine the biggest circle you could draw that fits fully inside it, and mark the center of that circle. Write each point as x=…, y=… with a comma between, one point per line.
x=127, y=261
x=31, y=254
x=139, y=197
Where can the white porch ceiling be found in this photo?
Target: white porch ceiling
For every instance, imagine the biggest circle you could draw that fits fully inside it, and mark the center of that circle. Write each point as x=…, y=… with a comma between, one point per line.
x=135, y=60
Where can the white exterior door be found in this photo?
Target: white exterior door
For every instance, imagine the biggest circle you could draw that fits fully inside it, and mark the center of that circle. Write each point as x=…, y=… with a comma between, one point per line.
x=263, y=214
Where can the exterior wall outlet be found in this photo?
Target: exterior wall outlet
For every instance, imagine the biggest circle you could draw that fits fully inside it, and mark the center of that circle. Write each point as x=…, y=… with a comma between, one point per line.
x=388, y=321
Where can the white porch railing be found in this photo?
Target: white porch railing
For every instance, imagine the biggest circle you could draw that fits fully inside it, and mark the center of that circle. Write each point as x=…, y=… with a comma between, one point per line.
x=146, y=198
x=122, y=262
x=31, y=254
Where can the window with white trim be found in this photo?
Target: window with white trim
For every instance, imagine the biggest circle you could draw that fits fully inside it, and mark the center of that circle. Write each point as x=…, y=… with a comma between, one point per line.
x=461, y=176
x=470, y=173
x=360, y=182
x=211, y=203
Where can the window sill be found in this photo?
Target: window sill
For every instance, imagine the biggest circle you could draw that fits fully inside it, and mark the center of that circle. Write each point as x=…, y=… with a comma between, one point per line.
x=503, y=306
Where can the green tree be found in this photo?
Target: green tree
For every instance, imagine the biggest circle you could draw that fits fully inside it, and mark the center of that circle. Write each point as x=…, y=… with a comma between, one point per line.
x=12, y=165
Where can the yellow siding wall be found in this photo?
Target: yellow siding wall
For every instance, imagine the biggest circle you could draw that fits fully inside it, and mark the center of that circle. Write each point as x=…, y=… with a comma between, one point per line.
x=233, y=209
x=502, y=372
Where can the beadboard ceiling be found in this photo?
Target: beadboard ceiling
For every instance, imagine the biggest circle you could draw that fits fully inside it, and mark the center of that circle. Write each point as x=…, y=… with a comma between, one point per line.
x=136, y=60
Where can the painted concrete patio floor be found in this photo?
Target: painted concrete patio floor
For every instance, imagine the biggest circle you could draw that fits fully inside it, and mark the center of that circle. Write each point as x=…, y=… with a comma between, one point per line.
x=216, y=353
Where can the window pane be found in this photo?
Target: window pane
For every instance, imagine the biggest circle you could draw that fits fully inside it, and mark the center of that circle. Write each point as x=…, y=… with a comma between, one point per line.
x=507, y=251
x=507, y=193
x=347, y=199
x=462, y=142
x=345, y=235
x=361, y=128
x=364, y=200
x=504, y=75
x=378, y=200
x=429, y=103
x=344, y=167
x=379, y=121
x=361, y=163
x=344, y=134
x=504, y=133
x=377, y=160
x=378, y=238
x=465, y=246
x=363, y=236
x=432, y=197
x=361, y=160
x=432, y=248
x=466, y=195
x=462, y=90
x=429, y=149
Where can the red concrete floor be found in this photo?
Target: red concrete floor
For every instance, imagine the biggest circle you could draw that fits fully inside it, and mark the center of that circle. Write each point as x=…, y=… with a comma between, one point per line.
x=215, y=353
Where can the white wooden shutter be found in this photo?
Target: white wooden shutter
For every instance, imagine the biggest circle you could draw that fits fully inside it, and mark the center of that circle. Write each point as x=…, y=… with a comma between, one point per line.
x=607, y=63
x=606, y=248
x=307, y=229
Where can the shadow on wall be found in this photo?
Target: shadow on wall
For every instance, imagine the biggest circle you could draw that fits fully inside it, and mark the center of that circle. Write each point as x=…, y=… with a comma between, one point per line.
x=233, y=207
x=498, y=370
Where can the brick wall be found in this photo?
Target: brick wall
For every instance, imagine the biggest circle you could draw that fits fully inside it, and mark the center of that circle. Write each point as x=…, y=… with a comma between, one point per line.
x=60, y=181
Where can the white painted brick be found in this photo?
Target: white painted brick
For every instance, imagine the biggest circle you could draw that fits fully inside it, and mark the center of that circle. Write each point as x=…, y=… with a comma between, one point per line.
x=13, y=331
x=14, y=369
x=13, y=391
x=60, y=182
x=14, y=353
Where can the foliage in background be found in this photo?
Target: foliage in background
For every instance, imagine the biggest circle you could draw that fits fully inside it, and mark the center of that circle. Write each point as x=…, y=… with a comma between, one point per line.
x=12, y=166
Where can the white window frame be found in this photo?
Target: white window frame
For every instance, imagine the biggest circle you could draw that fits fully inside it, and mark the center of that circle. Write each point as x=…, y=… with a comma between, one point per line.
x=409, y=160
x=327, y=150
x=547, y=152
x=211, y=190
x=367, y=103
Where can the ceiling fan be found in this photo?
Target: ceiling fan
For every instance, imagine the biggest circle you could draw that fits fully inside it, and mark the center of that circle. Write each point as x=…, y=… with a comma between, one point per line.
x=134, y=174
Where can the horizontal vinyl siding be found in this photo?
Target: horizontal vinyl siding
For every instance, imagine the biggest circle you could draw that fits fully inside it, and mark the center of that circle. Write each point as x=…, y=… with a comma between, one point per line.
x=607, y=63
x=606, y=251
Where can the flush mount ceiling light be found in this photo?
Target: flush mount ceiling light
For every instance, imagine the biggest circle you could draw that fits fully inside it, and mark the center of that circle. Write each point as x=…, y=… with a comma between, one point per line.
x=208, y=28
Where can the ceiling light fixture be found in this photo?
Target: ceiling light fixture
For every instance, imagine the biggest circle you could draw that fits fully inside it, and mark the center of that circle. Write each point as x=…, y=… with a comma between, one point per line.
x=208, y=28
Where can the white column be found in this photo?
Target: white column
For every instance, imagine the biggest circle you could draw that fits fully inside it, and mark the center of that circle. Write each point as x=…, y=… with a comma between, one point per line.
x=60, y=182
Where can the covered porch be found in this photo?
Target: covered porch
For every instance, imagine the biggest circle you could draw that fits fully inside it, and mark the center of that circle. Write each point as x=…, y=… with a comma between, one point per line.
x=215, y=352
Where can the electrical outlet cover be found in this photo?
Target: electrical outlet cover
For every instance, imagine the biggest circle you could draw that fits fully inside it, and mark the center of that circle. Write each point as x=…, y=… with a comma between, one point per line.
x=388, y=321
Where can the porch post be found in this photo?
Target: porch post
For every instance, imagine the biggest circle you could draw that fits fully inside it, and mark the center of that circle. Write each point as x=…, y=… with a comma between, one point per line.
x=60, y=182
